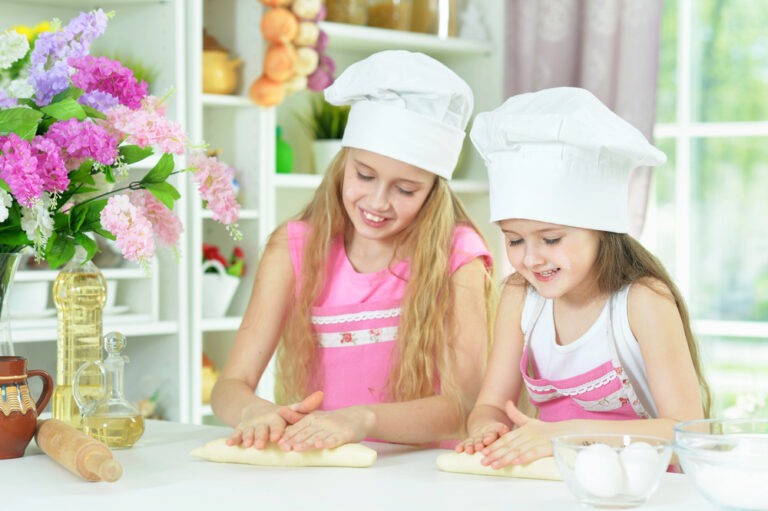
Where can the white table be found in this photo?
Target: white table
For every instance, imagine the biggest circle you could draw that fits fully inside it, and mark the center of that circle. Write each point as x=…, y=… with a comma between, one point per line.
x=158, y=473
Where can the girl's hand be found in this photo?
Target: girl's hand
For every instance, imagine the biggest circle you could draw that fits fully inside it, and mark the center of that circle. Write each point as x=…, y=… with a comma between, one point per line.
x=328, y=429
x=482, y=436
x=262, y=423
x=528, y=442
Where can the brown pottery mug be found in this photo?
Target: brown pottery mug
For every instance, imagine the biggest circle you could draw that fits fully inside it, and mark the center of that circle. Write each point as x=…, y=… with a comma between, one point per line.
x=18, y=413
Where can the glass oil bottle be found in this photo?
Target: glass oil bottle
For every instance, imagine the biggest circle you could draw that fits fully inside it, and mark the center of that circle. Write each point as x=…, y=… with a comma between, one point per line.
x=79, y=294
x=110, y=418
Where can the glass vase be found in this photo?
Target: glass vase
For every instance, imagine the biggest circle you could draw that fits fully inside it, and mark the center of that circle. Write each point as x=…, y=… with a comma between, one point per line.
x=8, y=264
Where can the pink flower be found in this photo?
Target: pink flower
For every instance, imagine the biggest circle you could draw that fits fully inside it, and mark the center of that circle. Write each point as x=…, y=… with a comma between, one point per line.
x=80, y=141
x=131, y=228
x=166, y=225
x=214, y=181
x=146, y=126
x=18, y=168
x=109, y=76
x=50, y=165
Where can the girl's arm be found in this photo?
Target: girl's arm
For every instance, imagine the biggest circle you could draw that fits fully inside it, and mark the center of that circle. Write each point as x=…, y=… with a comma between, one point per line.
x=502, y=382
x=233, y=399
x=420, y=420
x=658, y=328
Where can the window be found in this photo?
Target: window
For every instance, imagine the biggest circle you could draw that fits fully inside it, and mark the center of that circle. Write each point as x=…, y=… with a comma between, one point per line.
x=708, y=212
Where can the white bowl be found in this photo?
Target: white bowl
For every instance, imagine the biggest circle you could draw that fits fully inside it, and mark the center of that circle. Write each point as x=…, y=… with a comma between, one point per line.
x=612, y=470
x=727, y=460
x=28, y=298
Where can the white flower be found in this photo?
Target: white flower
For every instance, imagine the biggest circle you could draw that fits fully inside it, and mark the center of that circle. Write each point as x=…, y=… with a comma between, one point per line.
x=37, y=222
x=5, y=202
x=20, y=87
x=13, y=46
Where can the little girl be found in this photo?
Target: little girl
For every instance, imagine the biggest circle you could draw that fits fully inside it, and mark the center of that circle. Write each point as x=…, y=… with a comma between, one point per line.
x=596, y=327
x=381, y=291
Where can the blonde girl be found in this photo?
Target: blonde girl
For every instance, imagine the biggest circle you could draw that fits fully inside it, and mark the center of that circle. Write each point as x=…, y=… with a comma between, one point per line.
x=590, y=323
x=381, y=289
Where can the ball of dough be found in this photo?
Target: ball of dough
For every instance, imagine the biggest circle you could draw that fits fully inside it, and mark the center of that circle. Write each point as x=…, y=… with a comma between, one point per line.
x=279, y=26
x=280, y=62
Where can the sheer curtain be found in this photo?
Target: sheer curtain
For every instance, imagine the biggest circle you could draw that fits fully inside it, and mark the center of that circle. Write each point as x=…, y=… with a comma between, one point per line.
x=610, y=47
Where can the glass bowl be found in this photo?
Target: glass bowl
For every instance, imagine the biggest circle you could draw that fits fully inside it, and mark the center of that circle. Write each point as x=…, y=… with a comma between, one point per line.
x=612, y=470
x=727, y=460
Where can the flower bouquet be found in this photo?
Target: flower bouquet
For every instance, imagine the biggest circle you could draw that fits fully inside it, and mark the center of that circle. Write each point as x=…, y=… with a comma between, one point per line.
x=70, y=126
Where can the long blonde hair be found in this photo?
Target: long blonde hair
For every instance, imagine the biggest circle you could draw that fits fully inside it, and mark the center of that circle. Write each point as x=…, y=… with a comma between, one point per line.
x=622, y=260
x=424, y=351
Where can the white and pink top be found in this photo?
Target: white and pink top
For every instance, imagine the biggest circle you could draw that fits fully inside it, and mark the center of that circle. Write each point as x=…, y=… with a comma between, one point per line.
x=357, y=315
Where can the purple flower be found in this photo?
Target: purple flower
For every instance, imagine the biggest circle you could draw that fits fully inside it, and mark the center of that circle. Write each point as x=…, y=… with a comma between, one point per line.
x=50, y=71
x=101, y=101
x=82, y=140
x=18, y=168
x=103, y=74
x=6, y=101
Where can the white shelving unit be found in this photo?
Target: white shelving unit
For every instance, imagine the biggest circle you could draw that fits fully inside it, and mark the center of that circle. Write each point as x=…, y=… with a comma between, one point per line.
x=156, y=319
x=170, y=330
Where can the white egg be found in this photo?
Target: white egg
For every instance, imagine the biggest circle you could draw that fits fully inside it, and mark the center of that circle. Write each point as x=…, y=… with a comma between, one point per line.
x=640, y=462
x=598, y=471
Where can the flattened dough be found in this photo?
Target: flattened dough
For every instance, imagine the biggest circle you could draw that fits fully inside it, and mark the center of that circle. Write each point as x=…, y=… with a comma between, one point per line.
x=543, y=468
x=348, y=455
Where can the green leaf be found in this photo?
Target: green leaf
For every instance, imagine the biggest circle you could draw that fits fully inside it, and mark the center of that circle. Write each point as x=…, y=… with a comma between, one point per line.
x=59, y=250
x=92, y=112
x=161, y=171
x=235, y=269
x=133, y=153
x=83, y=174
x=4, y=186
x=65, y=110
x=70, y=92
x=103, y=232
x=77, y=218
x=22, y=121
x=165, y=193
x=28, y=102
x=17, y=237
x=108, y=176
x=93, y=215
x=87, y=243
x=60, y=222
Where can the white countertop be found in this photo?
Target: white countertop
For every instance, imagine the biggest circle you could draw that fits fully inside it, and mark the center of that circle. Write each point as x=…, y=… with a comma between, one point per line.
x=158, y=473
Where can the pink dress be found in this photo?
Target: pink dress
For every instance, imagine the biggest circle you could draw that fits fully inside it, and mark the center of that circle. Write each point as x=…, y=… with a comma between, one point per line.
x=356, y=317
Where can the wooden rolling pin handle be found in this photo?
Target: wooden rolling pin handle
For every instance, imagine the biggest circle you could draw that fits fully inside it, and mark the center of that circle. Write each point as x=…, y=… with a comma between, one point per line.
x=101, y=466
x=77, y=452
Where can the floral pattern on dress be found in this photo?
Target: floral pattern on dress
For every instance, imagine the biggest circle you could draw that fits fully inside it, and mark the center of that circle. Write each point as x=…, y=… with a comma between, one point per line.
x=374, y=334
x=346, y=338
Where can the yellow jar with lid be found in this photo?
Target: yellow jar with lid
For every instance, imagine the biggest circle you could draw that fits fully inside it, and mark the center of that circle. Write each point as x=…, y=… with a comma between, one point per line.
x=354, y=12
x=438, y=17
x=392, y=14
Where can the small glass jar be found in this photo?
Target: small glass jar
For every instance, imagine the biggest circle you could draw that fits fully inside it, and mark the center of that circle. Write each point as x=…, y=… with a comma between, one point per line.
x=393, y=14
x=354, y=12
x=438, y=17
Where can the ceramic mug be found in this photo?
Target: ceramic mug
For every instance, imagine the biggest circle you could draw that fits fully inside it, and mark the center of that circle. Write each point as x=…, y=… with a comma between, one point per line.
x=18, y=413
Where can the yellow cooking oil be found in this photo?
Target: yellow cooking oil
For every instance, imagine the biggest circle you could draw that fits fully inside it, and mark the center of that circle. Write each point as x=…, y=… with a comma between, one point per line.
x=79, y=294
x=116, y=432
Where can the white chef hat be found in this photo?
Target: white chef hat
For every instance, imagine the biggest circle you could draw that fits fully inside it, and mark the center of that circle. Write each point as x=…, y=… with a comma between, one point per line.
x=407, y=106
x=560, y=156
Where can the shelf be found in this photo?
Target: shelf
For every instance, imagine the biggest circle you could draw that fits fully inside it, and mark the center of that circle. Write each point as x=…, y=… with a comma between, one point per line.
x=132, y=325
x=311, y=181
x=109, y=273
x=226, y=324
x=342, y=36
x=227, y=100
x=244, y=214
x=86, y=4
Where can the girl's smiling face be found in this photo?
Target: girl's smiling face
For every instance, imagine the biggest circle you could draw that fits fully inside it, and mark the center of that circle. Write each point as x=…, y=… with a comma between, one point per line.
x=554, y=259
x=381, y=195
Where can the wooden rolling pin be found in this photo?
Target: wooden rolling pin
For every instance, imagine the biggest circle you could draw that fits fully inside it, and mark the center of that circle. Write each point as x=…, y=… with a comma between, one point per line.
x=77, y=452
